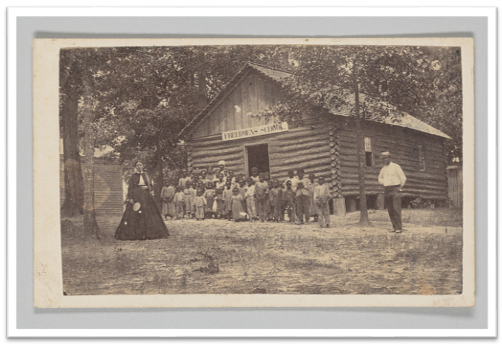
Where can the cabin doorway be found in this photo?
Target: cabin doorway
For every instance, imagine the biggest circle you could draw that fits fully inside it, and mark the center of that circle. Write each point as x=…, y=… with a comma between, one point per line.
x=257, y=156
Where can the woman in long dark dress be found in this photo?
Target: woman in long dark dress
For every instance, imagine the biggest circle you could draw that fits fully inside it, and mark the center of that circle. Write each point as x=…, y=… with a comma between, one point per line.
x=142, y=219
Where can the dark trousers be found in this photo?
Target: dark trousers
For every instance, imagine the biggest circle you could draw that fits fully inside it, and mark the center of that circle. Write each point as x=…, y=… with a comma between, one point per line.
x=302, y=207
x=393, y=202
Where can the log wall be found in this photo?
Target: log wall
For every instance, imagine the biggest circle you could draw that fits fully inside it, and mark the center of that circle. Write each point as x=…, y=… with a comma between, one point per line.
x=302, y=147
x=403, y=145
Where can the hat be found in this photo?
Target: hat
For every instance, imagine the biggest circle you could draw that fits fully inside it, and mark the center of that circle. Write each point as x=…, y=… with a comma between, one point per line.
x=385, y=154
x=136, y=206
x=222, y=162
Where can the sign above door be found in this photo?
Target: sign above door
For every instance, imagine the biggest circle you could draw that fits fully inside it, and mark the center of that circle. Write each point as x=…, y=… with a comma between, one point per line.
x=255, y=131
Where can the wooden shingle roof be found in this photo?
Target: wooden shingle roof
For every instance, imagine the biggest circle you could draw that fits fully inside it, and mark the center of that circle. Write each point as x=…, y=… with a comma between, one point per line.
x=395, y=118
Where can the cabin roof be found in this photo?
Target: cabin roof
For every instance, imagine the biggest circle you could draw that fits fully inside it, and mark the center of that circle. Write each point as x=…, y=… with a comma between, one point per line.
x=395, y=118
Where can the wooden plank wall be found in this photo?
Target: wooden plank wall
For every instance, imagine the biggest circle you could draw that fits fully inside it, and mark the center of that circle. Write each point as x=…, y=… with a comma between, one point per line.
x=108, y=191
x=403, y=146
x=252, y=95
x=455, y=186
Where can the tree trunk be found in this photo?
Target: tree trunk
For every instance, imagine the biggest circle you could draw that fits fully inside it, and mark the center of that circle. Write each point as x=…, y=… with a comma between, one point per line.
x=159, y=183
x=73, y=184
x=90, y=224
x=364, y=219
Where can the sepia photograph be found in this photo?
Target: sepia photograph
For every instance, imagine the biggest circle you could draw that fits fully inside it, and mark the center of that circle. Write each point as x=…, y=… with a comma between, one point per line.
x=258, y=168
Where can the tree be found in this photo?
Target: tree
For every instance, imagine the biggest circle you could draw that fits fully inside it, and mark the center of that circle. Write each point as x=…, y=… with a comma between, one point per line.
x=356, y=80
x=69, y=97
x=90, y=224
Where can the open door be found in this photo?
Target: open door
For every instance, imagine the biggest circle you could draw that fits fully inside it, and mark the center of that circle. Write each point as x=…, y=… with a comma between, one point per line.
x=257, y=156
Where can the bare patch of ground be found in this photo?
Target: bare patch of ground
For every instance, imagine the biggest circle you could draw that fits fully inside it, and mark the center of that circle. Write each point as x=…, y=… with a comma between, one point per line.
x=222, y=257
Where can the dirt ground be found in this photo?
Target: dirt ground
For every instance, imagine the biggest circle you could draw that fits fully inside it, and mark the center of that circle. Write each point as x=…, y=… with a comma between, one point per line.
x=222, y=257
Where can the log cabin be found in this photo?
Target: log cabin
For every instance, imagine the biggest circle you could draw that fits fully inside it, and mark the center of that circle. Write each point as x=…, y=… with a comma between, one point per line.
x=229, y=128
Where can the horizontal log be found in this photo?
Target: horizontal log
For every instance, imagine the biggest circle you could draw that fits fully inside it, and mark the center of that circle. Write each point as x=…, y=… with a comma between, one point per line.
x=307, y=154
x=310, y=139
x=299, y=146
x=321, y=159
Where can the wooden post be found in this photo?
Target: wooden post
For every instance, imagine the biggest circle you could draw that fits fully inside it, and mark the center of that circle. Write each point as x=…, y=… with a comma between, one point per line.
x=380, y=202
x=339, y=206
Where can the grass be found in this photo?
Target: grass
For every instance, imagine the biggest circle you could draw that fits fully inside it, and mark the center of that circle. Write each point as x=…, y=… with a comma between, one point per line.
x=221, y=257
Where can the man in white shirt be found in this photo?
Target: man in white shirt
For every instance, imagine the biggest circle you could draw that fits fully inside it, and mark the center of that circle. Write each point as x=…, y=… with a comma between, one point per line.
x=393, y=179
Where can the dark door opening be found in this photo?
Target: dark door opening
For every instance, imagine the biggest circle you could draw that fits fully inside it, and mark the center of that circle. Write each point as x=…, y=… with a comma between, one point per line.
x=258, y=157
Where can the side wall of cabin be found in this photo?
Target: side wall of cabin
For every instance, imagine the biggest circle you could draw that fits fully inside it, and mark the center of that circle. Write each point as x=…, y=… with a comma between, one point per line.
x=403, y=144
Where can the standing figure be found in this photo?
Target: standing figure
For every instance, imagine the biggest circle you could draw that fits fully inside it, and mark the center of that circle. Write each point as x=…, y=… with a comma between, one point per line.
x=250, y=200
x=221, y=166
x=142, y=219
x=276, y=201
x=209, y=194
x=203, y=177
x=322, y=197
x=289, y=201
x=270, y=202
x=184, y=179
x=199, y=204
x=216, y=178
x=167, y=197
x=209, y=174
x=179, y=203
x=189, y=198
x=254, y=174
x=312, y=206
x=218, y=196
x=242, y=192
x=302, y=203
x=261, y=197
x=393, y=179
x=237, y=205
x=227, y=197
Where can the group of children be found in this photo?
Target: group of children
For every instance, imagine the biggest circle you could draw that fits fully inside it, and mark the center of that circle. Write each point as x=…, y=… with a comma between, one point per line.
x=223, y=195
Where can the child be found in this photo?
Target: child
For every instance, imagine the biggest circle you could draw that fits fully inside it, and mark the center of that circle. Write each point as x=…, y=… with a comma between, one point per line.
x=218, y=196
x=300, y=176
x=203, y=177
x=231, y=176
x=216, y=178
x=199, y=204
x=167, y=197
x=242, y=191
x=312, y=206
x=209, y=194
x=321, y=197
x=210, y=174
x=276, y=198
x=293, y=179
x=201, y=186
x=250, y=201
x=179, y=201
x=289, y=201
x=237, y=204
x=261, y=197
x=183, y=180
x=189, y=198
x=267, y=176
x=270, y=202
x=302, y=203
x=254, y=174
x=227, y=197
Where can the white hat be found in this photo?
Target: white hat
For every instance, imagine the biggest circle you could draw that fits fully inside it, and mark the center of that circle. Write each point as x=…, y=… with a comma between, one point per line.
x=385, y=154
x=222, y=162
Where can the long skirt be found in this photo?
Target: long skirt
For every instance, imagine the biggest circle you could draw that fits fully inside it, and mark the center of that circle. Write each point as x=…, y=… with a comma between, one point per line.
x=146, y=223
